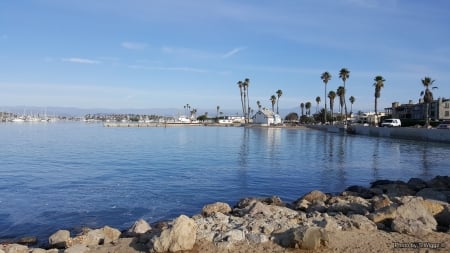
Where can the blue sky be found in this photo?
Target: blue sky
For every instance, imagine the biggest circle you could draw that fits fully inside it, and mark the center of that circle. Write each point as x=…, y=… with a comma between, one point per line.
x=168, y=53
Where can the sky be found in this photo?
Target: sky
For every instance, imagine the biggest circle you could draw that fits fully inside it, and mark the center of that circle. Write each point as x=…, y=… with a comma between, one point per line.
x=169, y=53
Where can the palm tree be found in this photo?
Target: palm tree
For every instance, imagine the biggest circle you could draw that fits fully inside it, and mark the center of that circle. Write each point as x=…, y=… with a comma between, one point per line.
x=352, y=101
x=332, y=96
x=244, y=85
x=379, y=83
x=318, y=102
x=308, y=108
x=427, y=97
x=279, y=94
x=344, y=74
x=241, y=85
x=217, y=114
x=341, y=94
x=273, y=99
x=325, y=78
x=302, y=106
x=247, y=108
x=258, y=103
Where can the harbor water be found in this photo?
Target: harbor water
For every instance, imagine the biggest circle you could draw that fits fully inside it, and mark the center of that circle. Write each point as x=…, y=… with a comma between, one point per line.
x=70, y=175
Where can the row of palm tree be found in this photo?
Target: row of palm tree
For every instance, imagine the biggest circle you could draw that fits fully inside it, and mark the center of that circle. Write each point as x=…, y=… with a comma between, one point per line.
x=344, y=75
x=245, y=100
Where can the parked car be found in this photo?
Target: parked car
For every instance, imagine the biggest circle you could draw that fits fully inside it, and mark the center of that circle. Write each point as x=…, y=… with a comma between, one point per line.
x=391, y=123
x=444, y=125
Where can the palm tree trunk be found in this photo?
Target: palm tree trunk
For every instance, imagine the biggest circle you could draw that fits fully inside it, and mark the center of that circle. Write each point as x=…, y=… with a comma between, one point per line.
x=325, y=114
x=242, y=101
x=345, y=106
x=248, y=107
x=376, y=102
x=427, y=120
x=245, y=104
x=277, y=104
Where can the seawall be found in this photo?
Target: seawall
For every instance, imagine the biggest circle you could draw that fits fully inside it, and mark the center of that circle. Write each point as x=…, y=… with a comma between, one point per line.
x=409, y=133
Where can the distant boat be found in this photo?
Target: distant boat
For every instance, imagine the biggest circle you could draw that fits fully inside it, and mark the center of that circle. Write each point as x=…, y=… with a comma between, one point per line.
x=17, y=120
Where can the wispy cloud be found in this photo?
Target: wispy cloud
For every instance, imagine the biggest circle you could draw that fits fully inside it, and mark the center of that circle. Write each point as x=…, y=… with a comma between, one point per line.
x=233, y=52
x=80, y=60
x=183, y=69
x=189, y=52
x=134, y=45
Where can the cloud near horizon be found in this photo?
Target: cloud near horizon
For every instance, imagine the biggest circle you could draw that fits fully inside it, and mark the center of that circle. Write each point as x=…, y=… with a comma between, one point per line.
x=80, y=60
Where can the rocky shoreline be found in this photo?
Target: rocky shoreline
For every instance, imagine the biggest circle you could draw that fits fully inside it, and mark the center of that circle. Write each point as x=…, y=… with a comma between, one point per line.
x=387, y=215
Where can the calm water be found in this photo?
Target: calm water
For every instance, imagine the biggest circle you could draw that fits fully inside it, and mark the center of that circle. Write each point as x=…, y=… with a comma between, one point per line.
x=68, y=175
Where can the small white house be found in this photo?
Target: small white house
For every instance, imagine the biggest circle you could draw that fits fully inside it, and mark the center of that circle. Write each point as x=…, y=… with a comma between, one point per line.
x=266, y=117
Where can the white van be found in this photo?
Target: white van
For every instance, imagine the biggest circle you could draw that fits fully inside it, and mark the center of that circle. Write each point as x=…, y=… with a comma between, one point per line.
x=391, y=123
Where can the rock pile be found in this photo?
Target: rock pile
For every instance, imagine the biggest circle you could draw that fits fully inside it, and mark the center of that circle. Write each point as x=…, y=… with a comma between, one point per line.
x=415, y=208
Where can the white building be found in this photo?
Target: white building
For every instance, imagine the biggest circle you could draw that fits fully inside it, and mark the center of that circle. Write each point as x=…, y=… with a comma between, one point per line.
x=266, y=117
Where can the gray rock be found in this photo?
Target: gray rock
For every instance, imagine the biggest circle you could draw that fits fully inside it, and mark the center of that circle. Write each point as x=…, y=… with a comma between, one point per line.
x=408, y=226
x=443, y=217
x=59, y=239
x=16, y=248
x=79, y=248
x=181, y=236
x=440, y=182
x=232, y=236
x=218, y=207
x=396, y=190
x=430, y=193
x=256, y=238
x=379, y=202
x=413, y=218
x=385, y=213
x=315, y=196
x=304, y=237
x=94, y=237
x=38, y=250
x=362, y=222
x=110, y=234
x=139, y=227
x=416, y=184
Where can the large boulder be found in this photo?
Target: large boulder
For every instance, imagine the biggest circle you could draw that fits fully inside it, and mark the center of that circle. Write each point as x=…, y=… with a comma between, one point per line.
x=16, y=248
x=218, y=207
x=181, y=236
x=314, y=196
x=430, y=193
x=110, y=234
x=413, y=218
x=139, y=227
x=79, y=248
x=304, y=237
x=60, y=239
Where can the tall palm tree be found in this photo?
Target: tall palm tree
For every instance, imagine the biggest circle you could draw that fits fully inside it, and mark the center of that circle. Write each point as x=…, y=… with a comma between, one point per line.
x=241, y=86
x=217, y=114
x=332, y=96
x=427, y=97
x=258, y=104
x=318, y=102
x=341, y=94
x=379, y=83
x=279, y=93
x=273, y=99
x=308, y=108
x=352, y=101
x=244, y=85
x=325, y=78
x=247, y=108
x=344, y=74
x=302, y=106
